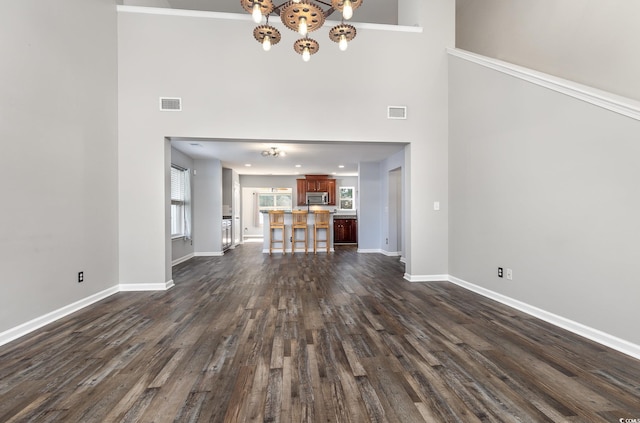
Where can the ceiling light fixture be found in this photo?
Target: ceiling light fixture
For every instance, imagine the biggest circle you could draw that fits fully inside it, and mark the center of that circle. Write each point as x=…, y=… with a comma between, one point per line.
x=302, y=16
x=273, y=152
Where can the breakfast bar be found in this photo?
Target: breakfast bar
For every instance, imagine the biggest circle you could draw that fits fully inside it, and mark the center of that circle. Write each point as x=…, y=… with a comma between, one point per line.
x=288, y=247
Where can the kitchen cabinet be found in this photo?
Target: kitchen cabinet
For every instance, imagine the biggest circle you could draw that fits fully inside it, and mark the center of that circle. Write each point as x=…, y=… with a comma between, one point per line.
x=301, y=189
x=345, y=231
x=315, y=185
x=319, y=185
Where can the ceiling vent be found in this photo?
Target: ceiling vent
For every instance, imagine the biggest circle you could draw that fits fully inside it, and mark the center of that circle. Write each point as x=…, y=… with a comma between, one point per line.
x=397, y=112
x=170, y=104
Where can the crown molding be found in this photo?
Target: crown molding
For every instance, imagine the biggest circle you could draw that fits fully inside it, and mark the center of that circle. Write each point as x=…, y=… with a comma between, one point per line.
x=247, y=17
x=606, y=100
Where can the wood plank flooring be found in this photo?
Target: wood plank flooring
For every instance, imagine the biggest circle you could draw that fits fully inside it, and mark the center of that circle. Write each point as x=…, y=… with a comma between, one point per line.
x=329, y=338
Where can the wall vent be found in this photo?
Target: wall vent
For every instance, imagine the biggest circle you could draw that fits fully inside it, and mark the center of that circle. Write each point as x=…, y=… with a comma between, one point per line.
x=170, y=104
x=397, y=112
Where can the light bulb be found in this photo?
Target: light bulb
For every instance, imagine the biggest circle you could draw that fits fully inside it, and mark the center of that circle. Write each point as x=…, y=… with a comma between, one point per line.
x=306, y=54
x=256, y=13
x=343, y=44
x=266, y=43
x=347, y=10
x=302, y=26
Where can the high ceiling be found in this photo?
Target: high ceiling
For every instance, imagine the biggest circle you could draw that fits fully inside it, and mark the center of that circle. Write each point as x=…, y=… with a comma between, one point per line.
x=371, y=11
x=313, y=158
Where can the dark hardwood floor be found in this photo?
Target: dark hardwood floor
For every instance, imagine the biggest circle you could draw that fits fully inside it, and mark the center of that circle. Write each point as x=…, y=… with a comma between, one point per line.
x=327, y=338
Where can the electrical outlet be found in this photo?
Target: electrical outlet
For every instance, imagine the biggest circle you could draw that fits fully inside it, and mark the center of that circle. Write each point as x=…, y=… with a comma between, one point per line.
x=386, y=240
x=80, y=277
x=499, y=272
x=509, y=274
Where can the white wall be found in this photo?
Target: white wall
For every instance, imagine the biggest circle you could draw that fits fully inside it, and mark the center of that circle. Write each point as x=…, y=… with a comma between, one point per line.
x=547, y=185
x=212, y=81
x=180, y=247
x=370, y=205
x=207, y=207
x=593, y=42
x=389, y=235
x=59, y=155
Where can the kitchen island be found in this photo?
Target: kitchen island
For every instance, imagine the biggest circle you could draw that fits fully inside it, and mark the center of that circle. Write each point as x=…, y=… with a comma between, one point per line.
x=299, y=235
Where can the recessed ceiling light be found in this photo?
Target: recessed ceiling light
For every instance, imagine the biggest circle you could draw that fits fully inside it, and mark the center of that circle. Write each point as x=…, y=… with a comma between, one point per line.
x=298, y=165
x=248, y=164
x=341, y=166
x=335, y=173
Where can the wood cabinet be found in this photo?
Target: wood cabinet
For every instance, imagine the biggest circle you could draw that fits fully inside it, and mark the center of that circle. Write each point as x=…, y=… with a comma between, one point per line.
x=345, y=231
x=301, y=188
x=324, y=184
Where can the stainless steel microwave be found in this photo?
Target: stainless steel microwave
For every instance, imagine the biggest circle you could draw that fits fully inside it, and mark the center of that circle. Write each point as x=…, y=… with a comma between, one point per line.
x=317, y=198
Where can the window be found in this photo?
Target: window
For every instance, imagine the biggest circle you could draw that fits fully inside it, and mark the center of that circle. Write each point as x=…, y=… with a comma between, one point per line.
x=274, y=201
x=347, y=198
x=180, y=190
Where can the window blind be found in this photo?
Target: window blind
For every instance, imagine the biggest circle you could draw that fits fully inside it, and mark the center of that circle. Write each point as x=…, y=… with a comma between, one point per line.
x=177, y=185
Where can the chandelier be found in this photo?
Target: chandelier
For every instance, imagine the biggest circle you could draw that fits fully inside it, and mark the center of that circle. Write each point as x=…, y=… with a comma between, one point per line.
x=273, y=152
x=302, y=16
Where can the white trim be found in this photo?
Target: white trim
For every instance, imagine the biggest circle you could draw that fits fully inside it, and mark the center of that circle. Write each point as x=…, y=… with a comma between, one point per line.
x=247, y=17
x=209, y=254
x=182, y=259
x=370, y=251
x=612, y=102
x=595, y=335
x=25, y=328
x=403, y=259
x=391, y=253
x=426, y=278
x=127, y=287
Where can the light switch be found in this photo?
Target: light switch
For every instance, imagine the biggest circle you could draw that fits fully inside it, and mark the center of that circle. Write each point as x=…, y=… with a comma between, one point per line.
x=436, y=205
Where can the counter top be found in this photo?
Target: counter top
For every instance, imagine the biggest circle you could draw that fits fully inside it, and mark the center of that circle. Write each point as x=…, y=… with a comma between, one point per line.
x=289, y=212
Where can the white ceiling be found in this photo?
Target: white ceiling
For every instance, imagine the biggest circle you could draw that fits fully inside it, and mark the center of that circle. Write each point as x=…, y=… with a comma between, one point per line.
x=313, y=157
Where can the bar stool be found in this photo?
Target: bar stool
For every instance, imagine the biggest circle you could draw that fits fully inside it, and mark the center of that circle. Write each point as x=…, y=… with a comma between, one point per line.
x=276, y=221
x=321, y=221
x=299, y=221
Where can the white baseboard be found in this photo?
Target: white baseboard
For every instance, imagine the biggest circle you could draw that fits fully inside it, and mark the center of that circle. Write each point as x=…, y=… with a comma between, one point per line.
x=182, y=259
x=403, y=259
x=128, y=287
x=595, y=335
x=426, y=278
x=209, y=254
x=25, y=328
x=391, y=253
x=370, y=251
